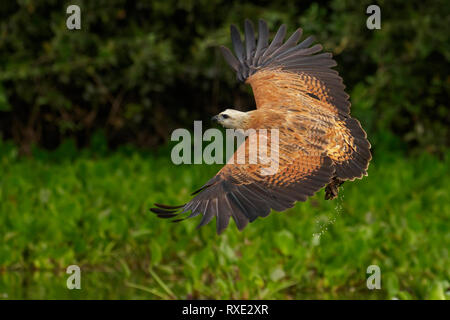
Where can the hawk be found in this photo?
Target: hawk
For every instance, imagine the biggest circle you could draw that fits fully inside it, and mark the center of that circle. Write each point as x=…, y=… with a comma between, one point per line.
x=320, y=144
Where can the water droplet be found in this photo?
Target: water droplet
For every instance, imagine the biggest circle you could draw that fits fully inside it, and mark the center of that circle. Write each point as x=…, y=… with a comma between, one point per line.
x=331, y=220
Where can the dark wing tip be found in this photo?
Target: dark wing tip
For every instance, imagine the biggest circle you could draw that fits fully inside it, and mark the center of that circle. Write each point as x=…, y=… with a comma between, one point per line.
x=262, y=23
x=167, y=216
x=256, y=54
x=162, y=211
x=166, y=212
x=164, y=206
x=230, y=58
x=200, y=189
x=249, y=41
x=249, y=24
x=237, y=43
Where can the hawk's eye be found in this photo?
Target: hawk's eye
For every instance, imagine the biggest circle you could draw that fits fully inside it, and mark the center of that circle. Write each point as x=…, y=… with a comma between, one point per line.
x=225, y=116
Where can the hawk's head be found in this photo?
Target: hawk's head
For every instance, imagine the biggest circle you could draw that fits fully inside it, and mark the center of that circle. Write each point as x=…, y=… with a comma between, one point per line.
x=232, y=119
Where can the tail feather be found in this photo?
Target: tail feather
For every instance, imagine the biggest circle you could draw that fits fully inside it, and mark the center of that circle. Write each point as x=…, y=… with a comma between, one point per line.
x=355, y=160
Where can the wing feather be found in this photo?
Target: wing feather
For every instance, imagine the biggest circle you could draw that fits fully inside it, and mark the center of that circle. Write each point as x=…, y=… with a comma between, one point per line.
x=250, y=43
x=276, y=42
x=263, y=40
x=237, y=43
x=277, y=58
x=240, y=191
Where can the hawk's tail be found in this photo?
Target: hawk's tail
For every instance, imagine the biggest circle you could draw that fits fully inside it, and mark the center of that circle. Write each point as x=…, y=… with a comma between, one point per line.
x=351, y=154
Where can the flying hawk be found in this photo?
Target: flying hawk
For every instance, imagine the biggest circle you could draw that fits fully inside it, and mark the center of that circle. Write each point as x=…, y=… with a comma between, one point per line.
x=320, y=144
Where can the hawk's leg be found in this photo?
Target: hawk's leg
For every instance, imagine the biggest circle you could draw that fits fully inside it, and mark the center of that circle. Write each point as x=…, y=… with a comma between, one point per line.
x=332, y=189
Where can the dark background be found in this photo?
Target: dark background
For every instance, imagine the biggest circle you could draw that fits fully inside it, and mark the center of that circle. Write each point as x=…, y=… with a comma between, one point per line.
x=137, y=70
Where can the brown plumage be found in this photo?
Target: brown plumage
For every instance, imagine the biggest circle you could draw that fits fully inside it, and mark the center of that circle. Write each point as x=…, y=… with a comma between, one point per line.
x=320, y=144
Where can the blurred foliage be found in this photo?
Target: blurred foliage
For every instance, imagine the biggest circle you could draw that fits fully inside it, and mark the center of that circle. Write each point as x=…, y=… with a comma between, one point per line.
x=91, y=209
x=139, y=69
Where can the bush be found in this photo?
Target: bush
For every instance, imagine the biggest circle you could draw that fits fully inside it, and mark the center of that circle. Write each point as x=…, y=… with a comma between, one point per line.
x=91, y=209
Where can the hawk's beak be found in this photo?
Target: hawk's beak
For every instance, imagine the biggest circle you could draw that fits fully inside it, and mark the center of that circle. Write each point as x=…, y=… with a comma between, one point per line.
x=215, y=118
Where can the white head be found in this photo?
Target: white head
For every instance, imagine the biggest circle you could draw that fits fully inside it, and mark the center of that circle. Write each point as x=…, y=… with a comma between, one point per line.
x=232, y=119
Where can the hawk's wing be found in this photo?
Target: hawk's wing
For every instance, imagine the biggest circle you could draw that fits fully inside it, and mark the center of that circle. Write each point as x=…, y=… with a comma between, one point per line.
x=298, y=76
x=247, y=191
x=286, y=72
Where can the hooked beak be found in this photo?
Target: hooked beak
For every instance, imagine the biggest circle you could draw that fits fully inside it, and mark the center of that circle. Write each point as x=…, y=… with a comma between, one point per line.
x=215, y=118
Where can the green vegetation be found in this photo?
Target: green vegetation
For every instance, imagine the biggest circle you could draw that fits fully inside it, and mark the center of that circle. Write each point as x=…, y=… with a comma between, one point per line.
x=91, y=208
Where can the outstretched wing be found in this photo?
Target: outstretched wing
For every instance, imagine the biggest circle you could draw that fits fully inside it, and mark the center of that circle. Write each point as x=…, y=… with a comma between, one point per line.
x=286, y=72
x=247, y=191
x=298, y=76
